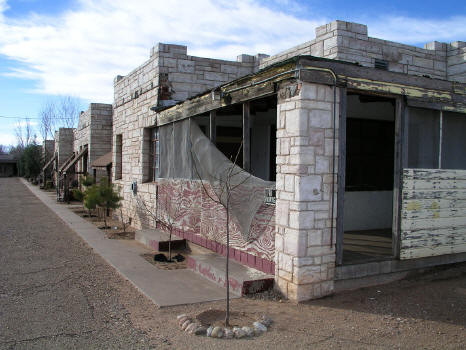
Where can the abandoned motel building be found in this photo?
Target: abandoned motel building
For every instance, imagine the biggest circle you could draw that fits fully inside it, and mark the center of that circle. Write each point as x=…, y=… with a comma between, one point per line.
x=349, y=153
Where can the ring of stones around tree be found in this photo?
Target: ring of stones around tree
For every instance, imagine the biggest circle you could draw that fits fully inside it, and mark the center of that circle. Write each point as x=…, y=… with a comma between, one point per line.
x=192, y=326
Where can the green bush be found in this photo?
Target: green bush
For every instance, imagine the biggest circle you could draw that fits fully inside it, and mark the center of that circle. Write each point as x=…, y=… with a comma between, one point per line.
x=92, y=198
x=108, y=197
x=78, y=194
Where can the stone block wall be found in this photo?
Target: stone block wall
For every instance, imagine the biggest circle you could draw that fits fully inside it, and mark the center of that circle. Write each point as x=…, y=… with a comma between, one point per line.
x=64, y=140
x=48, y=149
x=175, y=75
x=304, y=253
x=169, y=75
x=95, y=131
x=101, y=134
x=350, y=42
x=82, y=134
x=456, y=61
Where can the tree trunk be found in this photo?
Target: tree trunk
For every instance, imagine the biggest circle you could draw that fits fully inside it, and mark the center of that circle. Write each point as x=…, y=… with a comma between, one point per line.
x=170, y=244
x=105, y=218
x=227, y=315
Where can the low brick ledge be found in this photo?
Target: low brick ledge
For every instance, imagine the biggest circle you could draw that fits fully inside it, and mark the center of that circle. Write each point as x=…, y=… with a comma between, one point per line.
x=241, y=257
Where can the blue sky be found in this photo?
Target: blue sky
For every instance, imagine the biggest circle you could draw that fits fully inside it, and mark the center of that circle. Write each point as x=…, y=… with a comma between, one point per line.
x=52, y=48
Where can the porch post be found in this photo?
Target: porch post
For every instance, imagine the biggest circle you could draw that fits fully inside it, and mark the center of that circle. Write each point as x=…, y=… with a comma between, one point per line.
x=213, y=127
x=341, y=177
x=400, y=162
x=246, y=138
x=304, y=251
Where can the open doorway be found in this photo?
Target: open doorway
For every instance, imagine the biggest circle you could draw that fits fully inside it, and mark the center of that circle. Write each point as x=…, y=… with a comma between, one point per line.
x=369, y=178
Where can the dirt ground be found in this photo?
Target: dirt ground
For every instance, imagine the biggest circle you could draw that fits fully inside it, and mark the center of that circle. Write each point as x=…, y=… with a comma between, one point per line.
x=423, y=312
x=56, y=293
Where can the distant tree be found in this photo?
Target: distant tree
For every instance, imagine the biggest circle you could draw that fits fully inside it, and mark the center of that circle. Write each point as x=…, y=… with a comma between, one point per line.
x=67, y=109
x=4, y=149
x=30, y=161
x=24, y=132
x=48, y=120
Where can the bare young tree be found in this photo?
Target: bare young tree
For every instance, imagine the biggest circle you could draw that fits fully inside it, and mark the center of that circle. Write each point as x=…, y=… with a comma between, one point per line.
x=48, y=120
x=67, y=110
x=24, y=133
x=169, y=209
x=224, y=187
x=124, y=223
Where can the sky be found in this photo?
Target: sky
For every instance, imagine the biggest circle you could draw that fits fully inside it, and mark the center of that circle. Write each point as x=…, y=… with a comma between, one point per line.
x=51, y=48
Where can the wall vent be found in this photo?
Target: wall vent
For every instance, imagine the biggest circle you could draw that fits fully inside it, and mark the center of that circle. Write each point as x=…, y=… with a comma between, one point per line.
x=381, y=64
x=270, y=196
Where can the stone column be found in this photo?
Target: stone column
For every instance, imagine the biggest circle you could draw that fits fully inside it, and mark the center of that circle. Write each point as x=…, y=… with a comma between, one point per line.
x=304, y=255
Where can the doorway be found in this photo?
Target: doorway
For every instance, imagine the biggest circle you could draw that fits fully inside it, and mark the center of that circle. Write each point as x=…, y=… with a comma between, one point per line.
x=369, y=178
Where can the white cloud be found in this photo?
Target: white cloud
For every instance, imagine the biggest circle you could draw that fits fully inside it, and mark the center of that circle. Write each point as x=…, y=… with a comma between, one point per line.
x=414, y=30
x=24, y=123
x=80, y=52
x=7, y=139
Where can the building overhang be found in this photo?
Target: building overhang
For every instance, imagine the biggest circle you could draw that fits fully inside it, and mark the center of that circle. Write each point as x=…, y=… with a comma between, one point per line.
x=103, y=161
x=419, y=91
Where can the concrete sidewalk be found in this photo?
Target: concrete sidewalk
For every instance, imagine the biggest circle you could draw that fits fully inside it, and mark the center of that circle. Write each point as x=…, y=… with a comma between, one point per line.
x=163, y=287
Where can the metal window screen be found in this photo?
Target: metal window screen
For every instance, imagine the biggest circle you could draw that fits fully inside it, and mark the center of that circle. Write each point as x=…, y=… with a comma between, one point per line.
x=454, y=141
x=186, y=153
x=423, y=138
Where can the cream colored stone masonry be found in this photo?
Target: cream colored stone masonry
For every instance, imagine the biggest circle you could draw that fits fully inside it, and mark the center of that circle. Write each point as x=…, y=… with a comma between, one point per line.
x=94, y=131
x=304, y=255
x=350, y=42
x=169, y=75
x=64, y=144
x=48, y=148
x=64, y=138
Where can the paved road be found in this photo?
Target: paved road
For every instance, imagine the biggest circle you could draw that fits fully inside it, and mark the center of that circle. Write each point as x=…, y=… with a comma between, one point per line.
x=55, y=293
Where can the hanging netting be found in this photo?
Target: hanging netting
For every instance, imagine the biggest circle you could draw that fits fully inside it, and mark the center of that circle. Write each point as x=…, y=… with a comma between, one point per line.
x=196, y=158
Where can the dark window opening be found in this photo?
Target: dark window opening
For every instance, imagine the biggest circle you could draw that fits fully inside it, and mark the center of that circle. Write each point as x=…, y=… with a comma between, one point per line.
x=154, y=155
x=119, y=156
x=262, y=140
x=84, y=162
x=369, y=157
x=454, y=141
x=229, y=143
x=423, y=138
x=273, y=154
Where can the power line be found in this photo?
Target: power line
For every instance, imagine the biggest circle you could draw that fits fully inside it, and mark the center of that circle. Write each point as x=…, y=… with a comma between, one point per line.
x=2, y=116
x=35, y=118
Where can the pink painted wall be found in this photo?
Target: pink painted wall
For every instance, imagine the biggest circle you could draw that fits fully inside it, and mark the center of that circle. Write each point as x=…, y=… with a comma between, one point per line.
x=203, y=222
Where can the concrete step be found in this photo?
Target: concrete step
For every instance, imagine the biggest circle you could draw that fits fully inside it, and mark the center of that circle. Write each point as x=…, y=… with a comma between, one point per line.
x=243, y=279
x=159, y=240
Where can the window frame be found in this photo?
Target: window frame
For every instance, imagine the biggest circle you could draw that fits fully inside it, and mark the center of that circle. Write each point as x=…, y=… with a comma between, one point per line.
x=119, y=157
x=154, y=154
